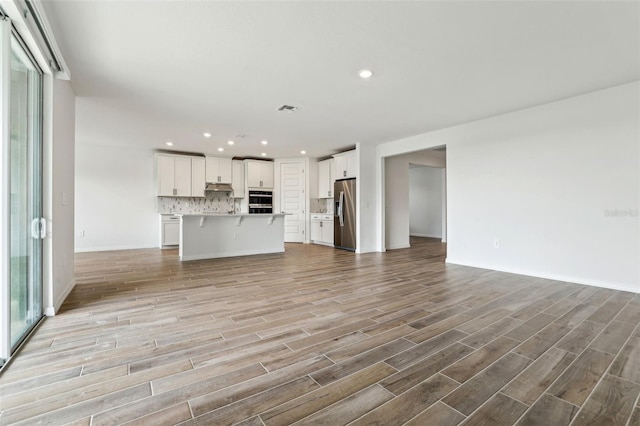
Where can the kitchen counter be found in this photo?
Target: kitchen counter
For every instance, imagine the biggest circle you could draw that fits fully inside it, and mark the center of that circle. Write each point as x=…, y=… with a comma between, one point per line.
x=213, y=235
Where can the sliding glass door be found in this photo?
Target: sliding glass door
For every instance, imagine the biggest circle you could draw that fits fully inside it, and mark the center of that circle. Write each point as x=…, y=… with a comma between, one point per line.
x=23, y=226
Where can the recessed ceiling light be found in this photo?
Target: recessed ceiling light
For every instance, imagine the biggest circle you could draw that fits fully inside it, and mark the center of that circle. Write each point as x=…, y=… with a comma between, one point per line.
x=303, y=152
x=206, y=135
x=264, y=142
x=169, y=143
x=220, y=149
x=264, y=154
x=365, y=73
x=230, y=142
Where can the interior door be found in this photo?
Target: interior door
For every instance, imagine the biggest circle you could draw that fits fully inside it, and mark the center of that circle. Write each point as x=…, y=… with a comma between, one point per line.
x=21, y=184
x=292, y=200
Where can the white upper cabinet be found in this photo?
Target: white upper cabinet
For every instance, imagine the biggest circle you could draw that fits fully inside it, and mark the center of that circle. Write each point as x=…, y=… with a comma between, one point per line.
x=259, y=174
x=325, y=178
x=166, y=176
x=174, y=176
x=346, y=165
x=219, y=170
x=238, y=179
x=197, y=176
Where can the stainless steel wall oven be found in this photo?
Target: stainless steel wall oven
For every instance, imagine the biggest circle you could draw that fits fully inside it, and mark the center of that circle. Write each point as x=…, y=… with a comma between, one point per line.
x=260, y=202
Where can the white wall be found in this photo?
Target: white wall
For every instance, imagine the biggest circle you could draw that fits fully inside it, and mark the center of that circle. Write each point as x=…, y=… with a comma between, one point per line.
x=115, y=198
x=425, y=201
x=542, y=181
x=61, y=198
x=396, y=183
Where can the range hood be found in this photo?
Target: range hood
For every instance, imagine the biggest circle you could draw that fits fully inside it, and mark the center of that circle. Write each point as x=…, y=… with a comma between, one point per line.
x=218, y=187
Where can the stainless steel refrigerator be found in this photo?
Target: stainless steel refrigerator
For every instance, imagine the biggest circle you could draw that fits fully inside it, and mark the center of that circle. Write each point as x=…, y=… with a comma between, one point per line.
x=344, y=222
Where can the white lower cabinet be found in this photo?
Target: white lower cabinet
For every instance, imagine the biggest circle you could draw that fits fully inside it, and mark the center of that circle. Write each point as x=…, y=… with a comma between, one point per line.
x=327, y=229
x=322, y=229
x=169, y=230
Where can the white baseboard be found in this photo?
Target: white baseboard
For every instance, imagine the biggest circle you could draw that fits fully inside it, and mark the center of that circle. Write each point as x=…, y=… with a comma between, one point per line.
x=322, y=243
x=397, y=247
x=564, y=278
x=50, y=311
x=229, y=254
x=112, y=248
x=427, y=235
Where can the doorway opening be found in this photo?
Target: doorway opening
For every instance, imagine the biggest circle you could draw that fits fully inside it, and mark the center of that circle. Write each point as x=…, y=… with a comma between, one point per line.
x=415, y=200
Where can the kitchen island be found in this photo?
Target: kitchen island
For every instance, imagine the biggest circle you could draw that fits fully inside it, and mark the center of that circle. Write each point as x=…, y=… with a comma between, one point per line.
x=210, y=235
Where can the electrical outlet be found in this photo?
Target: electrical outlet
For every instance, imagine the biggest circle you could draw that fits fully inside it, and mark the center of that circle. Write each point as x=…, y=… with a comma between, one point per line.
x=496, y=243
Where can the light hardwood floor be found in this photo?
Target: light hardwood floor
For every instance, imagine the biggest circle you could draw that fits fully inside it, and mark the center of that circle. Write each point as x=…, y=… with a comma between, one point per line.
x=325, y=337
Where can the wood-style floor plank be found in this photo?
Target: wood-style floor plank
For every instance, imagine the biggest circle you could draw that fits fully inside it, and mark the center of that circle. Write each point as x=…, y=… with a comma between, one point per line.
x=463, y=370
x=627, y=363
x=350, y=408
x=549, y=410
x=438, y=414
x=473, y=393
x=536, y=378
x=303, y=406
x=318, y=336
x=423, y=369
x=576, y=383
x=500, y=410
x=611, y=402
x=410, y=403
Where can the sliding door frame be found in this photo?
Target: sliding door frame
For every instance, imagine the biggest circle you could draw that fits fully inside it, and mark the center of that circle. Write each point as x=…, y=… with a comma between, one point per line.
x=5, y=235
x=35, y=152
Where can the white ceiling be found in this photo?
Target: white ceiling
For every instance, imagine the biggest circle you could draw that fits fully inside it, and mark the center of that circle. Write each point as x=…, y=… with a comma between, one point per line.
x=146, y=72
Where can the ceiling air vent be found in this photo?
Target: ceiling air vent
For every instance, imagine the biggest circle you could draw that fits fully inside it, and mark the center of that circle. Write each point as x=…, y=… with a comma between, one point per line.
x=288, y=108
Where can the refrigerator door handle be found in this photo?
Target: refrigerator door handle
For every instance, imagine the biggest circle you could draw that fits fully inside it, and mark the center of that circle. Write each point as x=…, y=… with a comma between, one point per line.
x=341, y=208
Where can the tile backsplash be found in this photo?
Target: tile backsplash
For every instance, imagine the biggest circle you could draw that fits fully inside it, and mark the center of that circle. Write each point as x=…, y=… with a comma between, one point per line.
x=217, y=203
x=321, y=205
x=224, y=203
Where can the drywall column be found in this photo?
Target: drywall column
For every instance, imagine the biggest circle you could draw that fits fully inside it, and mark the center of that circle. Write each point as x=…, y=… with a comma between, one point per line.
x=366, y=198
x=61, y=195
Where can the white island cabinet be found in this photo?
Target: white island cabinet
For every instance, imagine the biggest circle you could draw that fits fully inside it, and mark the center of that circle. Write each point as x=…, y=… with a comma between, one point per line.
x=208, y=236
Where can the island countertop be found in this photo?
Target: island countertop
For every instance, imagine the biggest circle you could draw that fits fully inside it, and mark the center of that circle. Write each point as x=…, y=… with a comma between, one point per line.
x=215, y=214
x=212, y=235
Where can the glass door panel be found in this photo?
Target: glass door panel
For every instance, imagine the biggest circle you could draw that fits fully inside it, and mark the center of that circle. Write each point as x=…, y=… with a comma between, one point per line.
x=25, y=225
